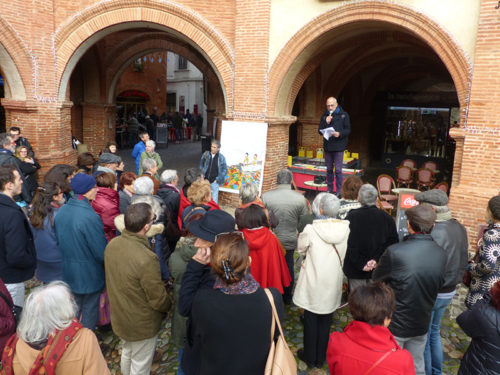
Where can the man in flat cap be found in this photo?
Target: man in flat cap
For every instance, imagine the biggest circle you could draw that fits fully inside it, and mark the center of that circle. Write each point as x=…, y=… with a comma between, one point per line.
x=452, y=237
x=107, y=162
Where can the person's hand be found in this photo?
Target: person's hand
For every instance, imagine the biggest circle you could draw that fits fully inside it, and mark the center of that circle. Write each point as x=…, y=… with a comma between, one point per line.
x=336, y=134
x=202, y=255
x=121, y=167
x=29, y=160
x=370, y=265
x=328, y=119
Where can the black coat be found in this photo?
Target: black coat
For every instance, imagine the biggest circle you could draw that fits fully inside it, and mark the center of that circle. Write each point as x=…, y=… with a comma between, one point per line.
x=371, y=232
x=414, y=269
x=17, y=248
x=230, y=334
x=482, y=324
x=7, y=157
x=171, y=198
x=341, y=123
x=452, y=237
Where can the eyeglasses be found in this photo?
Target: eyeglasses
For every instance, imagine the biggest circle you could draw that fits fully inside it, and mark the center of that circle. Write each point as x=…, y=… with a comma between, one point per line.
x=226, y=233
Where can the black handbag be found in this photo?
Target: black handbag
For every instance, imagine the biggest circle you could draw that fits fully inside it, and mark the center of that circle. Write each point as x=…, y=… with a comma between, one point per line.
x=16, y=310
x=318, y=180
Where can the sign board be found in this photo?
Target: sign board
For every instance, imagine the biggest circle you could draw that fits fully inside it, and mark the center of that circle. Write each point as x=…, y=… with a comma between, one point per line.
x=406, y=200
x=161, y=133
x=243, y=144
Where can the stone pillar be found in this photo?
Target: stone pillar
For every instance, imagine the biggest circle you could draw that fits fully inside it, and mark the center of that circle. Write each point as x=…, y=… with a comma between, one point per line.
x=98, y=125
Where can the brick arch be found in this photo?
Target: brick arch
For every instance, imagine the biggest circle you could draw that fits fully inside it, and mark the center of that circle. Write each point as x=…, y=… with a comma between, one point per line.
x=290, y=68
x=122, y=55
x=74, y=37
x=15, y=63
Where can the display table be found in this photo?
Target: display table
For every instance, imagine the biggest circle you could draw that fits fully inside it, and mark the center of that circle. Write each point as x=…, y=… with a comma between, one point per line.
x=304, y=172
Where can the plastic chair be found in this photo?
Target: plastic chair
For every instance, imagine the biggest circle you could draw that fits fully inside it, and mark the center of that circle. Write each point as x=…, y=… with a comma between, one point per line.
x=384, y=205
x=443, y=185
x=425, y=178
x=385, y=184
x=404, y=175
x=409, y=163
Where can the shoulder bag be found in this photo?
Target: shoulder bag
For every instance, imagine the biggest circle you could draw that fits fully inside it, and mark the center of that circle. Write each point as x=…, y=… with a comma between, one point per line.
x=280, y=360
x=16, y=310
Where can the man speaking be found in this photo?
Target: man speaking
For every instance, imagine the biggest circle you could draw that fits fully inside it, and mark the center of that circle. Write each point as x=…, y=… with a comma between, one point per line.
x=335, y=127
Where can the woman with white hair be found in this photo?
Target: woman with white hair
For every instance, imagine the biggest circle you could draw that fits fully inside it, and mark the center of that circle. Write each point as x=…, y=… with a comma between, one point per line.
x=150, y=153
x=319, y=287
x=50, y=340
x=249, y=195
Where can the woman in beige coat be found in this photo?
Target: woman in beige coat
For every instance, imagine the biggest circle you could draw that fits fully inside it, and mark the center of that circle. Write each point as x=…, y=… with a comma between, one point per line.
x=319, y=287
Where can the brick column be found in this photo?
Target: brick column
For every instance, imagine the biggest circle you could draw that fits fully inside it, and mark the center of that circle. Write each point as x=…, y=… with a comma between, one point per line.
x=98, y=125
x=48, y=128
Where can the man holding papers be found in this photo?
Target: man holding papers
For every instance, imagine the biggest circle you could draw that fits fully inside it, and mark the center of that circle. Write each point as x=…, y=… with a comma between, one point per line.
x=335, y=127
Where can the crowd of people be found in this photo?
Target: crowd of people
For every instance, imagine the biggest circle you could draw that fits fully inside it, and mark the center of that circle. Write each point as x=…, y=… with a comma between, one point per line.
x=121, y=250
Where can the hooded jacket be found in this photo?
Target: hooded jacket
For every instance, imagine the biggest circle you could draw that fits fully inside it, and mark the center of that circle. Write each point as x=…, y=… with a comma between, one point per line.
x=356, y=349
x=268, y=266
x=319, y=287
x=482, y=324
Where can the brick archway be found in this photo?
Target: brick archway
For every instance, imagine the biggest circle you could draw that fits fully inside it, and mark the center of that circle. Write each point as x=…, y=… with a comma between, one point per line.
x=291, y=67
x=140, y=45
x=75, y=37
x=15, y=64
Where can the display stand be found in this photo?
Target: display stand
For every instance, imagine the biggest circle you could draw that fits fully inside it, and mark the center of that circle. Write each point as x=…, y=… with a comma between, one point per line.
x=162, y=133
x=406, y=200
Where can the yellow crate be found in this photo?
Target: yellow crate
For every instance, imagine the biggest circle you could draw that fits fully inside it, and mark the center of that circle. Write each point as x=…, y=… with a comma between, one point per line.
x=320, y=153
x=302, y=152
x=309, y=154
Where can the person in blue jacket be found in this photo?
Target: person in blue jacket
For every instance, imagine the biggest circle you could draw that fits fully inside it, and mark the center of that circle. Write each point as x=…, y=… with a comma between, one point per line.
x=80, y=234
x=139, y=148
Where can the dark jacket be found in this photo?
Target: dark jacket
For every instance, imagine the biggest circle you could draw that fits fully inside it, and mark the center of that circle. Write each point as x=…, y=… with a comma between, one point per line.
x=342, y=124
x=371, y=232
x=171, y=198
x=414, y=269
x=231, y=333
x=196, y=276
x=17, y=248
x=482, y=324
x=7, y=157
x=29, y=172
x=452, y=237
x=125, y=201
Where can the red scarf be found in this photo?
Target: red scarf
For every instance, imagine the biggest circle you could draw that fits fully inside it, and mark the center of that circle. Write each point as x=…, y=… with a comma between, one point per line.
x=48, y=357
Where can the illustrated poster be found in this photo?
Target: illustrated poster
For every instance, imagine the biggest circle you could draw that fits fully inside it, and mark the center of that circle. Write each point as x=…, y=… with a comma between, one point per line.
x=244, y=146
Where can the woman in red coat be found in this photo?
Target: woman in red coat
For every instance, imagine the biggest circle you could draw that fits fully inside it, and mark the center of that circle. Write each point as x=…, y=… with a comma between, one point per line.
x=268, y=266
x=367, y=345
x=107, y=202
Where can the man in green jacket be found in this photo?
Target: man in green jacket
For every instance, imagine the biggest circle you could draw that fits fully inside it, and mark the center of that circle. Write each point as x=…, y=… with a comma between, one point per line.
x=137, y=296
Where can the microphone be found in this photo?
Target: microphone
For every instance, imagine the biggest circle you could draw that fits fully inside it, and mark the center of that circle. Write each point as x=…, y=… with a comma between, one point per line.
x=331, y=112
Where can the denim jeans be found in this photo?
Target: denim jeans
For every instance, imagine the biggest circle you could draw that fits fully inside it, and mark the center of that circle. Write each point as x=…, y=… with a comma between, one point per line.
x=214, y=188
x=334, y=158
x=179, y=360
x=433, y=355
x=88, y=309
x=165, y=274
x=416, y=346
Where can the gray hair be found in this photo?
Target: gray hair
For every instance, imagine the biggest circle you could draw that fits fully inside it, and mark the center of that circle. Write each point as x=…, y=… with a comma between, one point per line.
x=149, y=199
x=143, y=186
x=248, y=192
x=215, y=142
x=168, y=176
x=148, y=164
x=48, y=308
x=151, y=143
x=368, y=195
x=5, y=139
x=284, y=177
x=316, y=203
x=330, y=205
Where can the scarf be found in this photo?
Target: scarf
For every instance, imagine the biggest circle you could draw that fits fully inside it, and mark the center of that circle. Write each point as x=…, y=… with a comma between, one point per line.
x=48, y=357
x=246, y=285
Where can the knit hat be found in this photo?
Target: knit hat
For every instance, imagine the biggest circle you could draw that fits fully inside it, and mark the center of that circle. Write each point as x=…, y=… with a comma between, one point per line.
x=108, y=158
x=214, y=222
x=81, y=183
x=438, y=199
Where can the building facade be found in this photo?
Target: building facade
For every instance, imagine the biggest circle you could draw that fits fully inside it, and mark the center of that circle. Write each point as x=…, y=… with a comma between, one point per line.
x=271, y=61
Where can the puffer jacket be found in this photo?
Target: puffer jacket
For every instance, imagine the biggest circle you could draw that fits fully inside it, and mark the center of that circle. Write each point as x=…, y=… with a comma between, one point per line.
x=319, y=287
x=482, y=324
x=414, y=269
x=107, y=206
x=452, y=237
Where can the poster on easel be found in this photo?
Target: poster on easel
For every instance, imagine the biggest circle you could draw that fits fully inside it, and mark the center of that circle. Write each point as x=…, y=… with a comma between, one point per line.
x=243, y=144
